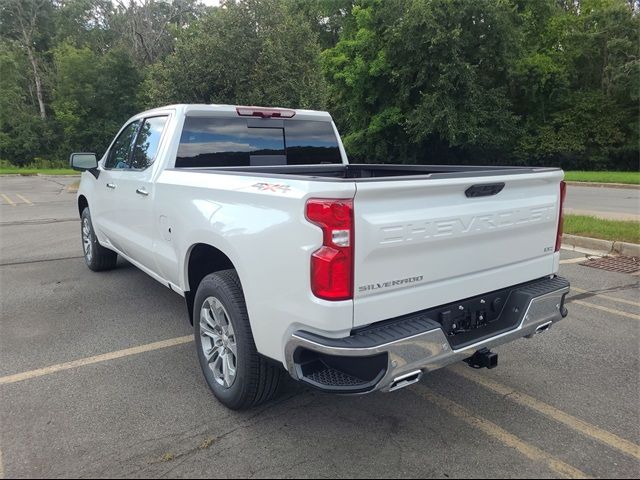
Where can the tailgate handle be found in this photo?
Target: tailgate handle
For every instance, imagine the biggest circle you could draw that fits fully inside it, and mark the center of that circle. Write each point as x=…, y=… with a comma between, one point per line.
x=485, y=190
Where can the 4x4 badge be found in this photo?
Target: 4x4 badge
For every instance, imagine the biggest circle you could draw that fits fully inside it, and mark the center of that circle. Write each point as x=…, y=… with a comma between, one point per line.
x=272, y=187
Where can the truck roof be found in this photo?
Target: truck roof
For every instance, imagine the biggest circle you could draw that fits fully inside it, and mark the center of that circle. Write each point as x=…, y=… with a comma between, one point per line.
x=216, y=109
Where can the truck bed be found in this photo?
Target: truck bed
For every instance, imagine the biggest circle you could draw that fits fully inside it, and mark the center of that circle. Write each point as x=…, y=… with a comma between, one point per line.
x=372, y=172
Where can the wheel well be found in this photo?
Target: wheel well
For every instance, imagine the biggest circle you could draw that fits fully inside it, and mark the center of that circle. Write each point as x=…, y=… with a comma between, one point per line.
x=82, y=204
x=203, y=260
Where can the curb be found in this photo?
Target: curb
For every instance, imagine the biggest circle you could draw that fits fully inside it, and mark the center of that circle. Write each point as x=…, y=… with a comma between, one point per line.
x=18, y=174
x=605, y=247
x=65, y=175
x=604, y=185
x=73, y=187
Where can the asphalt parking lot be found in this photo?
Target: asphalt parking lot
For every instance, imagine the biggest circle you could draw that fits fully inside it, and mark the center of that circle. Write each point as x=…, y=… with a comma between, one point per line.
x=99, y=378
x=609, y=203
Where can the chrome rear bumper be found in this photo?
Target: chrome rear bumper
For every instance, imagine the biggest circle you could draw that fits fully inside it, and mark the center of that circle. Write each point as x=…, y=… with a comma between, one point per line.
x=409, y=357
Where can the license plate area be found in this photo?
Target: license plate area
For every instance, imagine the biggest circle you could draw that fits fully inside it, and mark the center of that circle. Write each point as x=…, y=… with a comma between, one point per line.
x=473, y=319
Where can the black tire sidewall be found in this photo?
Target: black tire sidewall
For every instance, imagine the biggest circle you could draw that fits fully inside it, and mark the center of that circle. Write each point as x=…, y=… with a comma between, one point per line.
x=215, y=285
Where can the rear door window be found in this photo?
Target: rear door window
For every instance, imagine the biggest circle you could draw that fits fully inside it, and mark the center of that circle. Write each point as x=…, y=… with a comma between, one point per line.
x=230, y=142
x=148, y=141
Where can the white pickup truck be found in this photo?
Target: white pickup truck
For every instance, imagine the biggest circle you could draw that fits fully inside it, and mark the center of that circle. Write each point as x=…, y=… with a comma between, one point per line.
x=352, y=278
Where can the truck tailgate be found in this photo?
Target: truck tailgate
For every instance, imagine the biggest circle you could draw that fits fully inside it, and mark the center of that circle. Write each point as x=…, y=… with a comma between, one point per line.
x=421, y=243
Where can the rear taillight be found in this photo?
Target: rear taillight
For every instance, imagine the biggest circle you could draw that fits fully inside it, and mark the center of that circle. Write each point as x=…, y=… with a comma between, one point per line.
x=332, y=264
x=563, y=194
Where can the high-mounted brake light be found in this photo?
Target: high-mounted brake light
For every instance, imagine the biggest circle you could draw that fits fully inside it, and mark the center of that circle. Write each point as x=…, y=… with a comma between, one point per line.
x=332, y=264
x=563, y=194
x=265, y=112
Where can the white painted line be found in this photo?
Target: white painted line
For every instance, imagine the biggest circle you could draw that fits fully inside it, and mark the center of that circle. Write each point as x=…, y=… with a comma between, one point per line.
x=83, y=362
x=604, y=309
x=7, y=199
x=597, y=433
x=607, y=297
x=498, y=433
x=24, y=199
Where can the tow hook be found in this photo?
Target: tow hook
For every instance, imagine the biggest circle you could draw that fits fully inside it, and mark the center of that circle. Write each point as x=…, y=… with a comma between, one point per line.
x=483, y=359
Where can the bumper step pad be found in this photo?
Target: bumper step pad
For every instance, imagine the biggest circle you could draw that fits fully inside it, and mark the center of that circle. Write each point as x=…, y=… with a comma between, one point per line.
x=331, y=377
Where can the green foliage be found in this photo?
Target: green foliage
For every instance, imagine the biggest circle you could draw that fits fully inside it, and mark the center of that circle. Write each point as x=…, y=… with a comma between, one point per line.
x=616, y=230
x=414, y=76
x=578, y=84
x=93, y=96
x=543, y=82
x=603, y=177
x=22, y=132
x=252, y=52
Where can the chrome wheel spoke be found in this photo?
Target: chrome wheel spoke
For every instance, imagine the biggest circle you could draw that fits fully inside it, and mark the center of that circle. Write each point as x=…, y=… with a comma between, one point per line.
x=216, y=363
x=207, y=331
x=218, y=341
x=209, y=353
x=228, y=370
x=233, y=348
x=219, y=314
x=86, y=239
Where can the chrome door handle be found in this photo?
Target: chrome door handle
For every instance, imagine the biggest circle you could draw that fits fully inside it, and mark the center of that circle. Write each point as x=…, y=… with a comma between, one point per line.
x=112, y=186
x=142, y=191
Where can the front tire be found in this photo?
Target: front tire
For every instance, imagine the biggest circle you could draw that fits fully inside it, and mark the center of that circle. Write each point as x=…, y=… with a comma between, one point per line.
x=96, y=256
x=237, y=375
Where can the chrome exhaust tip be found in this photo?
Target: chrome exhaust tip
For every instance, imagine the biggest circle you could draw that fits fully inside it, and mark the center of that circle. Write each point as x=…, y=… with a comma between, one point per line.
x=544, y=327
x=540, y=329
x=405, y=380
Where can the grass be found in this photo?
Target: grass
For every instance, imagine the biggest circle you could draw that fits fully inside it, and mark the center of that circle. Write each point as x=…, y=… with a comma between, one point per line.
x=617, y=230
x=603, y=177
x=34, y=171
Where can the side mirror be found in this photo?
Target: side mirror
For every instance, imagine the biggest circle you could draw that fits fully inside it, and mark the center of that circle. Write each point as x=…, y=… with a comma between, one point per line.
x=83, y=161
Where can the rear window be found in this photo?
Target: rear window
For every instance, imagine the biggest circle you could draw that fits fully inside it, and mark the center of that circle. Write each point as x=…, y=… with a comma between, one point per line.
x=232, y=142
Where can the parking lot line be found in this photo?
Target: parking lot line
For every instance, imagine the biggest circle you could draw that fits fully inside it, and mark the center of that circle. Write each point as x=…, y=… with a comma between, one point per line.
x=606, y=297
x=7, y=199
x=500, y=434
x=608, y=438
x=605, y=309
x=24, y=199
x=19, y=377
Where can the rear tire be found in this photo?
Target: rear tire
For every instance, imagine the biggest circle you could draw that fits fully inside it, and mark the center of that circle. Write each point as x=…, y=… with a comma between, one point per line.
x=223, y=335
x=96, y=256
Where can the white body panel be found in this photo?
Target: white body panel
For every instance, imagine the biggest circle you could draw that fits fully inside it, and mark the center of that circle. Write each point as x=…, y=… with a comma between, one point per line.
x=266, y=236
x=440, y=246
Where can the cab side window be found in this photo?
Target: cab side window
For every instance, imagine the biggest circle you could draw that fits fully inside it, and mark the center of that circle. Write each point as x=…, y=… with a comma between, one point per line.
x=148, y=141
x=120, y=152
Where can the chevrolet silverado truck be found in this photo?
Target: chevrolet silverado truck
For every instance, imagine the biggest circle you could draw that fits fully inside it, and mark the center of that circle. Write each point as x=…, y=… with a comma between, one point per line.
x=353, y=278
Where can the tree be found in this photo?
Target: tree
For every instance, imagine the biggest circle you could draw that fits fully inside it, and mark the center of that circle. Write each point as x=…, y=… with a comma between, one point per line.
x=86, y=23
x=545, y=82
x=328, y=18
x=578, y=83
x=93, y=96
x=251, y=52
x=23, y=134
x=147, y=28
x=28, y=23
x=417, y=77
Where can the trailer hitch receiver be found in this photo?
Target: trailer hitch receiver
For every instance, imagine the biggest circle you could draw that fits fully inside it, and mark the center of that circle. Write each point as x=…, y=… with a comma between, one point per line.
x=483, y=359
